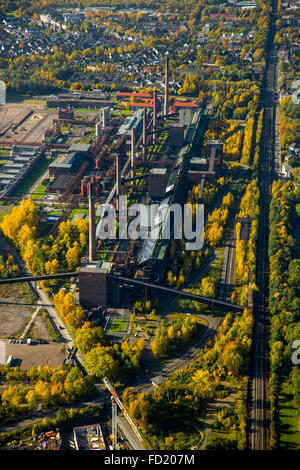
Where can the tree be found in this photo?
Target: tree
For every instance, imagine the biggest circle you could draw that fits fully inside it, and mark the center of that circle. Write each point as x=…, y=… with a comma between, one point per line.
x=100, y=362
x=203, y=385
x=294, y=273
x=87, y=338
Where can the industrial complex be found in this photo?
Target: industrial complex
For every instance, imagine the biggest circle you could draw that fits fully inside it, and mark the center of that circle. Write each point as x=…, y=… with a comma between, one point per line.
x=150, y=155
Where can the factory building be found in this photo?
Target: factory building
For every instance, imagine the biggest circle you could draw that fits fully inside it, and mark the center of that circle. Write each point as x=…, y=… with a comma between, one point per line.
x=66, y=113
x=152, y=256
x=63, y=171
x=104, y=117
x=65, y=165
x=176, y=136
x=95, y=289
x=126, y=96
x=22, y=159
x=157, y=182
x=210, y=165
x=70, y=163
x=89, y=437
x=168, y=185
x=77, y=103
x=96, y=180
x=132, y=122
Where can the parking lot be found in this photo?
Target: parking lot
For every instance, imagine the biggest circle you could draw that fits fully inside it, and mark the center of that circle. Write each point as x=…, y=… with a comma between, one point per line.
x=31, y=355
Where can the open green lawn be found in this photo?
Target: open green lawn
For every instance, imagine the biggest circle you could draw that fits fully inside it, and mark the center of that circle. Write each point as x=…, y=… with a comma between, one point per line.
x=118, y=326
x=78, y=211
x=289, y=420
x=228, y=440
x=41, y=191
x=32, y=177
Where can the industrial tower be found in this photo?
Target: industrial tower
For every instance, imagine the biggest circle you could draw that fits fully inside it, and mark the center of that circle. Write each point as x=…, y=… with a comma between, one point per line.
x=92, y=228
x=166, y=102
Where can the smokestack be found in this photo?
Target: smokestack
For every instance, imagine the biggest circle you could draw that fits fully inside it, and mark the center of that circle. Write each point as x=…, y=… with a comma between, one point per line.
x=92, y=229
x=118, y=177
x=166, y=103
x=154, y=114
x=144, y=132
x=132, y=161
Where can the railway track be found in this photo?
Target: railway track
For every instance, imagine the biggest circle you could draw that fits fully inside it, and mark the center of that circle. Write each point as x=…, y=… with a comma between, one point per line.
x=259, y=402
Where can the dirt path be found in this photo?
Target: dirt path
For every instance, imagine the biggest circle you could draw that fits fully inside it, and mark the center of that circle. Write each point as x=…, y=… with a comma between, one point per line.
x=212, y=409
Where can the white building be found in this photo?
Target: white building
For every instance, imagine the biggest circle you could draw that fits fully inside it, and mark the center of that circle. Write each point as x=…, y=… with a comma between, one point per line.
x=2, y=92
x=45, y=18
x=286, y=170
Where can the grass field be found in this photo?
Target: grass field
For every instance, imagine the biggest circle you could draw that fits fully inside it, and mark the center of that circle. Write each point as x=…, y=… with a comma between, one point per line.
x=32, y=177
x=289, y=420
x=118, y=326
x=78, y=211
x=41, y=191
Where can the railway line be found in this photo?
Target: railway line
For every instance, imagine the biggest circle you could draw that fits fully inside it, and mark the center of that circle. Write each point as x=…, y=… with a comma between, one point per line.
x=259, y=402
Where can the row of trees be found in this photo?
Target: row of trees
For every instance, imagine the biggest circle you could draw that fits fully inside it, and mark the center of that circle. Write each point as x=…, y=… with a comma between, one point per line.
x=245, y=249
x=284, y=299
x=216, y=221
x=41, y=385
x=233, y=146
x=257, y=149
x=289, y=123
x=72, y=314
x=247, y=144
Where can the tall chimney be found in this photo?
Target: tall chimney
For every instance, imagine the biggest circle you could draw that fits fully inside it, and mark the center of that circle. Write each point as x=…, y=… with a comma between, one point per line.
x=132, y=160
x=118, y=178
x=166, y=103
x=144, y=132
x=92, y=229
x=154, y=115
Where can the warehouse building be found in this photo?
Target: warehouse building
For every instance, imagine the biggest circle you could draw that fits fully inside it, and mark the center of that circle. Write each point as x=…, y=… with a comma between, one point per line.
x=77, y=103
x=21, y=161
x=68, y=164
